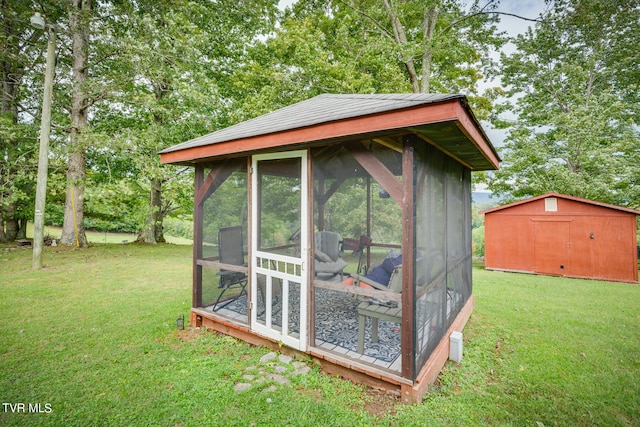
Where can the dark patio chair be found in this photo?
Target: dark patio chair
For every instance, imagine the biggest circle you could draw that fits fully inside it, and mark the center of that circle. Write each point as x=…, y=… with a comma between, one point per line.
x=230, y=251
x=358, y=246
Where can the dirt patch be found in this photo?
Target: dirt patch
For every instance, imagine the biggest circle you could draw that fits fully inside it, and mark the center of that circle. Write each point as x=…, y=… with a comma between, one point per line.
x=187, y=334
x=381, y=402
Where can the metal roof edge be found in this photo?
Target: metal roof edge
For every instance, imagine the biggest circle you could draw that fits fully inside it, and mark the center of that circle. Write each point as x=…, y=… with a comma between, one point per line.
x=561, y=196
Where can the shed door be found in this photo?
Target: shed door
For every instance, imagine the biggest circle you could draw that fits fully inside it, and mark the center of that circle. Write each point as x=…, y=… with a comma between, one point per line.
x=552, y=247
x=279, y=247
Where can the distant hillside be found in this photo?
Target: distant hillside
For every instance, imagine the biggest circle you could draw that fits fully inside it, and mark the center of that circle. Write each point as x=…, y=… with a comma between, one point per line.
x=480, y=197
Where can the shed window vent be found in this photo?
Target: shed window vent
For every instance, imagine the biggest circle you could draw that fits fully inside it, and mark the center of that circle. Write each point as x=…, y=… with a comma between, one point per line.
x=551, y=204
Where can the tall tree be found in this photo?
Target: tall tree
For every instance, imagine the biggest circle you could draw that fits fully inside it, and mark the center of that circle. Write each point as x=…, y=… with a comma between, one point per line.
x=80, y=14
x=13, y=65
x=174, y=59
x=575, y=76
x=22, y=71
x=379, y=46
x=438, y=38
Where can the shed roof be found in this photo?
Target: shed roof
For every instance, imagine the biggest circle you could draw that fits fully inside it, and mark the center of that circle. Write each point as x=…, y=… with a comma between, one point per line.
x=561, y=196
x=444, y=120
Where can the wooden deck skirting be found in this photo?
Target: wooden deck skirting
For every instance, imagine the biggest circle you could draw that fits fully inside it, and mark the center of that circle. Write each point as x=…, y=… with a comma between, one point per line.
x=411, y=392
x=438, y=358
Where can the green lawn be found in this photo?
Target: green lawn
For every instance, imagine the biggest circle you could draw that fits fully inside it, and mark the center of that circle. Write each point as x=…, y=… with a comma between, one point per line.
x=92, y=339
x=104, y=236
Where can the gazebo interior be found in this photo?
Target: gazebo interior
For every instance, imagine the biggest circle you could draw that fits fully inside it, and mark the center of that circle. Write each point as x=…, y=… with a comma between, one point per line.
x=348, y=201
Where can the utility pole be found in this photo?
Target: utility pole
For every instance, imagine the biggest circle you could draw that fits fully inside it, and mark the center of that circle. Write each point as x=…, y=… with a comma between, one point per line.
x=38, y=22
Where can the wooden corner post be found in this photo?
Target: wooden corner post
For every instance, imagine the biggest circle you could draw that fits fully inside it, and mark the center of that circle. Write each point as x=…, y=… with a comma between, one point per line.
x=408, y=255
x=197, y=238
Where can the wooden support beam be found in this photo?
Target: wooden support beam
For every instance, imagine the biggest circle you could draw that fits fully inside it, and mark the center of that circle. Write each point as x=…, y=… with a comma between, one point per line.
x=222, y=266
x=318, y=197
x=377, y=170
x=216, y=177
x=408, y=255
x=355, y=290
x=310, y=254
x=250, y=238
x=389, y=143
x=196, y=299
x=323, y=196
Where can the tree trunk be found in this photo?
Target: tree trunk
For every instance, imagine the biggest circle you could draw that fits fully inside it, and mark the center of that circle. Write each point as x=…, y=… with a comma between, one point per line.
x=156, y=206
x=11, y=79
x=10, y=225
x=73, y=233
x=400, y=36
x=152, y=231
x=73, y=227
x=22, y=228
x=428, y=28
x=3, y=237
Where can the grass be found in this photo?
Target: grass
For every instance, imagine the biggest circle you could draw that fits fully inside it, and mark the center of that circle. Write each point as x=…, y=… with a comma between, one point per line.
x=549, y=350
x=105, y=236
x=93, y=336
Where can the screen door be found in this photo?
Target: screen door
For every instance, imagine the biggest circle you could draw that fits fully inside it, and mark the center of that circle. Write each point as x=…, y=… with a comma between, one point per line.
x=279, y=243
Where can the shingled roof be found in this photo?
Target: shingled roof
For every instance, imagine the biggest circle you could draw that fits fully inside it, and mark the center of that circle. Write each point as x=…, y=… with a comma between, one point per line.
x=320, y=113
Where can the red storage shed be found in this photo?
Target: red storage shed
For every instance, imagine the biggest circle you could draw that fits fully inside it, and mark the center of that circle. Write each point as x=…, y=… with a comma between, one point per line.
x=563, y=235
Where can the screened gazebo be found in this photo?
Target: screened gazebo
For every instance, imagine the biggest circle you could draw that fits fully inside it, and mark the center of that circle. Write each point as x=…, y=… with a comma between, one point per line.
x=341, y=227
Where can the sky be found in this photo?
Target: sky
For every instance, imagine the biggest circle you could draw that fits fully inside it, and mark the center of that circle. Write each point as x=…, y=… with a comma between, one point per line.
x=530, y=9
x=527, y=8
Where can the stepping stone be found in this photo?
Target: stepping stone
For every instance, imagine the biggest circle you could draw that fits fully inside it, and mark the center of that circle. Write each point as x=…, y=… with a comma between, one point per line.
x=270, y=389
x=279, y=379
x=241, y=387
x=302, y=371
x=268, y=357
x=285, y=359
